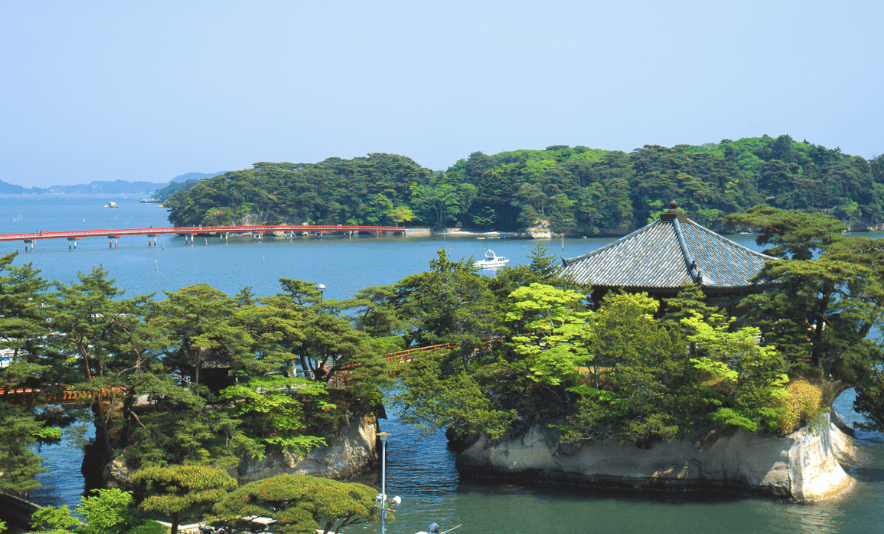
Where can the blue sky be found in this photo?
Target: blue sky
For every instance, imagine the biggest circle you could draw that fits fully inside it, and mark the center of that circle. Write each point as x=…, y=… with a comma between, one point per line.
x=150, y=90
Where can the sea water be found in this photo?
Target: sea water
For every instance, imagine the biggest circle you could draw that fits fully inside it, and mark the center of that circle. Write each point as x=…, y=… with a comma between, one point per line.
x=419, y=468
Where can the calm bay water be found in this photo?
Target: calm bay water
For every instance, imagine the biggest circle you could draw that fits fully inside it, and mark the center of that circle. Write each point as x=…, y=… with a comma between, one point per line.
x=420, y=469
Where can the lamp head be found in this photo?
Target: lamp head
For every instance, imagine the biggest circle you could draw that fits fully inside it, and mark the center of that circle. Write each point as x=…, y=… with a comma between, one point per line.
x=383, y=436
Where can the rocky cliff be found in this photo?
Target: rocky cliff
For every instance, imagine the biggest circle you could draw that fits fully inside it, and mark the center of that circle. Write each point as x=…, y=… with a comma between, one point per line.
x=802, y=466
x=352, y=450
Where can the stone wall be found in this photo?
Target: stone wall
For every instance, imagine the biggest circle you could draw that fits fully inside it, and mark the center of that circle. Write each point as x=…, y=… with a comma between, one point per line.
x=802, y=466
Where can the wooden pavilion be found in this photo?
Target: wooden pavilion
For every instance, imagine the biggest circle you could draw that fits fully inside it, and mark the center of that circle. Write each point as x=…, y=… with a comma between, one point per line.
x=671, y=251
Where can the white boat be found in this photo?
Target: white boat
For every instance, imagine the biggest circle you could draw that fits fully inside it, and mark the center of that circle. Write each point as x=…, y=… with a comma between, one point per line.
x=113, y=204
x=492, y=260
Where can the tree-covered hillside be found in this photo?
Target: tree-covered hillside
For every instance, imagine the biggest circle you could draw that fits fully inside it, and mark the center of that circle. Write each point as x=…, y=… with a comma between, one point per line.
x=579, y=190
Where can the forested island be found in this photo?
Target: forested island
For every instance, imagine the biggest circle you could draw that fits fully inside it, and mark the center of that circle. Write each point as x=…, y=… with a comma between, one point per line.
x=577, y=190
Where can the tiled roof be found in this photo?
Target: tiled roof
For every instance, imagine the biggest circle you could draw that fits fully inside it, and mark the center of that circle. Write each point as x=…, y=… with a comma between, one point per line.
x=654, y=257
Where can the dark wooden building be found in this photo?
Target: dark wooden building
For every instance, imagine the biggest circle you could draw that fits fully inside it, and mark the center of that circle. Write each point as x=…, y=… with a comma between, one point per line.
x=664, y=255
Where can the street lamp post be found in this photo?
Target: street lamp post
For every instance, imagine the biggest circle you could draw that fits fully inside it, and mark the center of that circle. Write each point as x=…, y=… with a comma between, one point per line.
x=383, y=436
x=321, y=288
x=381, y=500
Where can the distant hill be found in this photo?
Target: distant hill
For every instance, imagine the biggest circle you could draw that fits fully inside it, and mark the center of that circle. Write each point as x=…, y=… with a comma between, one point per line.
x=195, y=176
x=117, y=187
x=184, y=181
x=12, y=189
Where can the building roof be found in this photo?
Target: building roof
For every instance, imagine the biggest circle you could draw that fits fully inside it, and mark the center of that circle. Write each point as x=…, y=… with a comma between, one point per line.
x=671, y=251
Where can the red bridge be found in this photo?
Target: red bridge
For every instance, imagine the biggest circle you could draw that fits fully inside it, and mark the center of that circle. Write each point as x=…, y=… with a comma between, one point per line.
x=219, y=231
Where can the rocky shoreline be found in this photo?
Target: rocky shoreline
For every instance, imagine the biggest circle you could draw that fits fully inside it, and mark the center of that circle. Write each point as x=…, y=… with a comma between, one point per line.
x=351, y=451
x=803, y=466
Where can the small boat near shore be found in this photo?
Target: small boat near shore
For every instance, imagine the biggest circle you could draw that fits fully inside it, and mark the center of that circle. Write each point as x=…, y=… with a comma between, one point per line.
x=492, y=260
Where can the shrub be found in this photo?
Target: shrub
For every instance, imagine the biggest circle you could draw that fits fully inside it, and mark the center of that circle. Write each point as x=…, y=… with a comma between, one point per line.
x=803, y=404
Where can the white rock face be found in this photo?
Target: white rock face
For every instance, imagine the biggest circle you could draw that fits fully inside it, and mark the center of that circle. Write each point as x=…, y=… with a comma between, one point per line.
x=349, y=452
x=802, y=466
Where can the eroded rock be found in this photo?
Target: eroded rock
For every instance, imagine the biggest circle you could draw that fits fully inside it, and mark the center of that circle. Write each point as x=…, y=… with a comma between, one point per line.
x=802, y=466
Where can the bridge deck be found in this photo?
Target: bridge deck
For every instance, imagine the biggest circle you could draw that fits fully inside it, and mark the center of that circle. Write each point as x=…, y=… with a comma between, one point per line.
x=194, y=230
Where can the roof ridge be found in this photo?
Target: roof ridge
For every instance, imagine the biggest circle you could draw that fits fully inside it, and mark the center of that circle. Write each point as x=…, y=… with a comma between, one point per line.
x=693, y=270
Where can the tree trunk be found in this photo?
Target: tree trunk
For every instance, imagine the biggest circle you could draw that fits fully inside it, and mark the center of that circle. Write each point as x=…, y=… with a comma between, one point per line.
x=820, y=321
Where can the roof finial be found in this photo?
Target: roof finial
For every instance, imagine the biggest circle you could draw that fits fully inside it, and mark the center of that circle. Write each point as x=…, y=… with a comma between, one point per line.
x=673, y=213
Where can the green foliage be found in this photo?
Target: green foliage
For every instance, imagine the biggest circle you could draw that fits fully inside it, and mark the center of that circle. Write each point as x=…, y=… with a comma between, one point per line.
x=51, y=520
x=18, y=463
x=273, y=411
x=796, y=235
x=183, y=429
x=23, y=320
x=364, y=190
x=451, y=303
x=298, y=504
x=803, y=405
x=172, y=489
x=110, y=511
x=437, y=395
x=829, y=299
x=555, y=333
x=578, y=190
x=640, y=388
x=748, y=380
